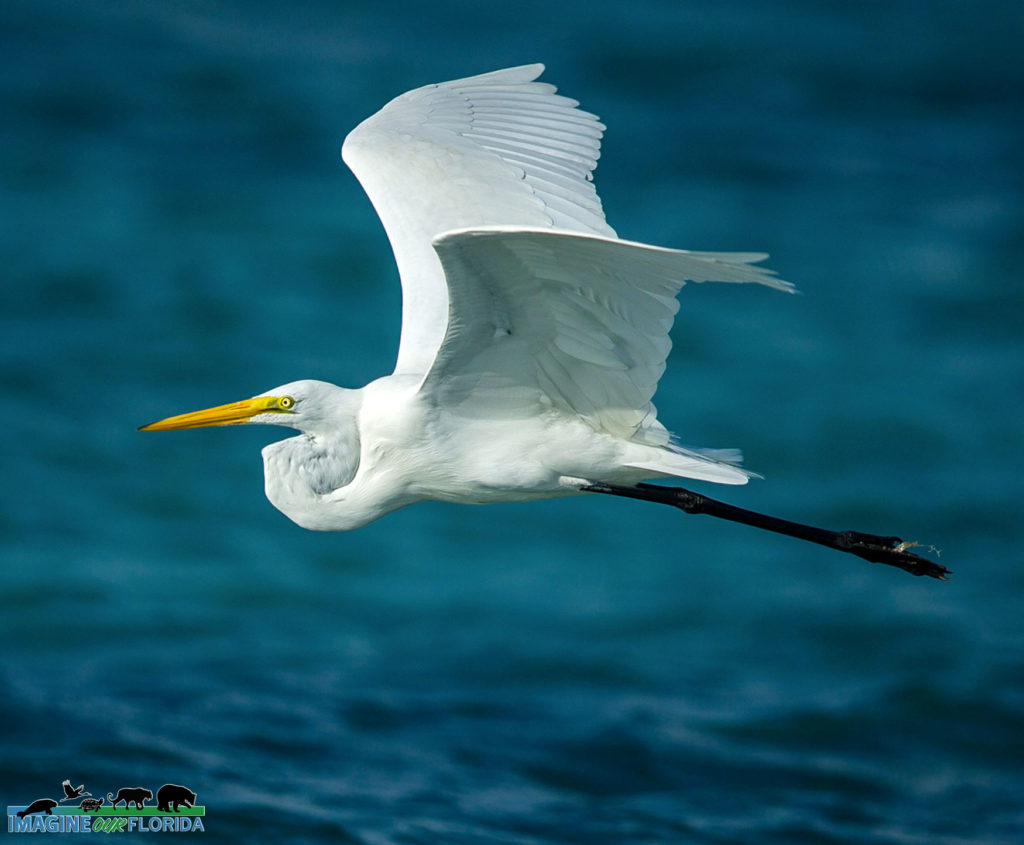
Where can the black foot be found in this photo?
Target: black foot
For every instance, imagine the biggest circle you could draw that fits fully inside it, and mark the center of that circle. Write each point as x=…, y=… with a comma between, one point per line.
x=889, y=550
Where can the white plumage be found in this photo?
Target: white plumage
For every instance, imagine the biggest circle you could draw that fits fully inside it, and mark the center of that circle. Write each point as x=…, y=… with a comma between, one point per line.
x=532, y=337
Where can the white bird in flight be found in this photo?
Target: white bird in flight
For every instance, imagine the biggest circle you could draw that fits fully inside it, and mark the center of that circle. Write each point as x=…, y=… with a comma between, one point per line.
x=532, y=340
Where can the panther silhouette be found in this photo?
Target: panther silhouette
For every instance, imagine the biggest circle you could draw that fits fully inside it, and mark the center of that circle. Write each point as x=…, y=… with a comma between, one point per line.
x=138, y=796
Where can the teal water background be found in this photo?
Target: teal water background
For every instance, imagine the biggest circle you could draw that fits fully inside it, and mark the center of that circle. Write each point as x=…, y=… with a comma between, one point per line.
x=178, y=231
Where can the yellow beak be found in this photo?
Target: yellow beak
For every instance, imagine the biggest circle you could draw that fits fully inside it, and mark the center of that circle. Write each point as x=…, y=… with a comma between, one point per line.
x=230, y=414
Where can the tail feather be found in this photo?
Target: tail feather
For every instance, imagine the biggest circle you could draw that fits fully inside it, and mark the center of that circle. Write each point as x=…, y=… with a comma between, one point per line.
x=706, y=465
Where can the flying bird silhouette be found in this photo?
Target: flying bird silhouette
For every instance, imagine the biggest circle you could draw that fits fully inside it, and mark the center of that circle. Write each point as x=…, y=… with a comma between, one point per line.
x=71, y=792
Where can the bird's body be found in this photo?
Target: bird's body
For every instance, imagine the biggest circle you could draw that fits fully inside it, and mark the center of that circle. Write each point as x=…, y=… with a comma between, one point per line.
x=399, y=448
x=533, y=337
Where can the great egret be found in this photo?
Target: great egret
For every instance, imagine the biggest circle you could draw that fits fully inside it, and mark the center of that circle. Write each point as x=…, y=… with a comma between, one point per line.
x=532, y=336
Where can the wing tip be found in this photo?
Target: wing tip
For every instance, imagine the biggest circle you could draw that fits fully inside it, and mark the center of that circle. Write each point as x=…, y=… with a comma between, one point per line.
x=514, y=74
x=740, y=263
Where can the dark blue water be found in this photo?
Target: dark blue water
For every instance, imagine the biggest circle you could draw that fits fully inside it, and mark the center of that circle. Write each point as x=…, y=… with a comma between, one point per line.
x=179, y=232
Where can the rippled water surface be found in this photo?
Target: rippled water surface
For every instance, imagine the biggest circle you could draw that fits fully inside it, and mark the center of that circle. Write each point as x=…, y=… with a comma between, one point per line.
x=179, y=232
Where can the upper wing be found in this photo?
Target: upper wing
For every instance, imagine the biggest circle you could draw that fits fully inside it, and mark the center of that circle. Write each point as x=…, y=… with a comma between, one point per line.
x=577, y=322
x=490, y=150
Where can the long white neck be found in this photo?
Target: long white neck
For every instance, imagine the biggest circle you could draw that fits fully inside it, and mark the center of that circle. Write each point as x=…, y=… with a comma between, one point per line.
x=333, y=477
x=301, y=473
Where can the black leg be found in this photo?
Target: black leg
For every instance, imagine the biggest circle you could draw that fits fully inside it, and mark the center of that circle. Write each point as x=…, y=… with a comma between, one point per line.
x=888, y=550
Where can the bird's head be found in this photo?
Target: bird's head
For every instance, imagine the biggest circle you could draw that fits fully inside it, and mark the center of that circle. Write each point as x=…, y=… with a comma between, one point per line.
x=303, y=405
x=299, y=471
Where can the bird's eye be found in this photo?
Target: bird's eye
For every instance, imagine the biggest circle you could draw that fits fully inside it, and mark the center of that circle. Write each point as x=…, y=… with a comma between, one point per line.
x=286, y=403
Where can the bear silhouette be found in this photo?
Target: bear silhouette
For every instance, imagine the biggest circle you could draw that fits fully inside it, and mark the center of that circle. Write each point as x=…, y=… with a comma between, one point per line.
x=171, y=793
x=91, y=804
x=40, y=805
x=137, y=796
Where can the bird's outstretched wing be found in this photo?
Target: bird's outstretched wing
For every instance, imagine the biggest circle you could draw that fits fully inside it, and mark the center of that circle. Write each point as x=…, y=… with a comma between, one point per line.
x=498, y=149
x=579, y=320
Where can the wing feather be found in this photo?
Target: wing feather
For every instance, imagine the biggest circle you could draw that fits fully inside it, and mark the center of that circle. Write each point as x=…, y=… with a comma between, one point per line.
x=516, y=292
x=579, y=321
x=491, y=150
